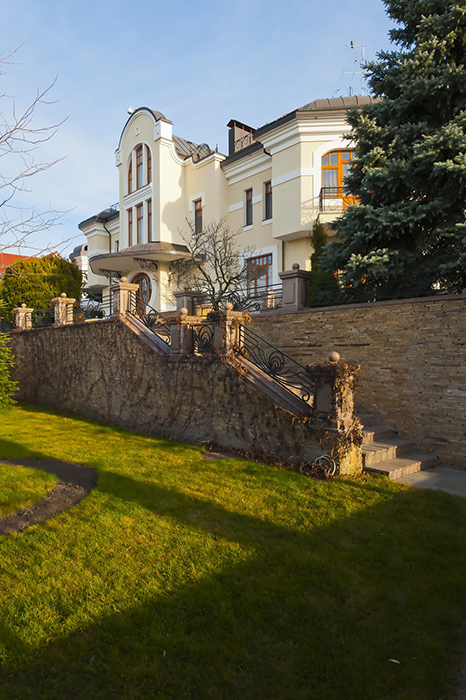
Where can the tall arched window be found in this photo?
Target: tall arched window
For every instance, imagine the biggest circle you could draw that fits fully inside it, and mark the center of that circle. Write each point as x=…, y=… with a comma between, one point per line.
x=130, y=177
x=140, y=162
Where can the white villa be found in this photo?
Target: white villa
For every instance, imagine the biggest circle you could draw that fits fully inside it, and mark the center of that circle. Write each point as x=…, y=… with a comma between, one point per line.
x=274, y=184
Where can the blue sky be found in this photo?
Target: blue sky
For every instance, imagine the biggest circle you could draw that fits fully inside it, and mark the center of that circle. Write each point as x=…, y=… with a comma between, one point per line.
x=200, y=63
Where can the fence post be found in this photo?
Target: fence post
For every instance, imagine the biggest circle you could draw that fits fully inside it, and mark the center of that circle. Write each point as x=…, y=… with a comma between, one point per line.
x=334, y=408
x=227, y=328
x=295, y=288
x=181, y=333
x=23, y=318
x=185, y=300
x=63, y=310
x=121, y=296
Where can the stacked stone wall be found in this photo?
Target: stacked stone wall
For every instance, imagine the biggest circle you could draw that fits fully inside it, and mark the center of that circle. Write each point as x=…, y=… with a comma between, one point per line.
x=413, y=359
x=104, y=371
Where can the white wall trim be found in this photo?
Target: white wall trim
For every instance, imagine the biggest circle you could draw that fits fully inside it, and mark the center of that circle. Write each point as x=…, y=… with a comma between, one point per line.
x=235, y=207
x=193, y=198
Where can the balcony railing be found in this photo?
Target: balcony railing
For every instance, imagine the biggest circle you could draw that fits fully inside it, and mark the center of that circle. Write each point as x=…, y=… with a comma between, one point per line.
x=335, y=199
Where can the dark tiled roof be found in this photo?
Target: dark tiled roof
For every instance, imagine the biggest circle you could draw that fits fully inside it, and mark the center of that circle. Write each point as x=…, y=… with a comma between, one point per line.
x=186, y=149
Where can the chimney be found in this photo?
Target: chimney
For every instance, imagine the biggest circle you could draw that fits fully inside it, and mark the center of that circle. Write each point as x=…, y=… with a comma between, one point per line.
x=239, y=136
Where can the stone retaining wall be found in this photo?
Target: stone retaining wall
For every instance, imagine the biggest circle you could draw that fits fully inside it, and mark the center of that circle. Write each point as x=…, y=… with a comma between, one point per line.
x=105, y=371
x=413, y=359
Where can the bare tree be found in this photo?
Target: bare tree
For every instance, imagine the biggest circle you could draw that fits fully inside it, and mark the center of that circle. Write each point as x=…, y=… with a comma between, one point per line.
x=20, y=137
x=217, y=266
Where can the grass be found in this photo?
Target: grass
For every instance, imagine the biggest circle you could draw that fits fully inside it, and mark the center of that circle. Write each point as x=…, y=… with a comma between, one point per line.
x=21, y=487
x=183, y=578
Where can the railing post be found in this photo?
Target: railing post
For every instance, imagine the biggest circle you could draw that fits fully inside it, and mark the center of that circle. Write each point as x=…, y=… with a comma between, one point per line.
x=185, y=300
x=334, y=407
x=334, y=393
x=295, y=288
x=181, y=333
x=63, y=310
x=227, y=329
x=121, y=296
x=23, y=318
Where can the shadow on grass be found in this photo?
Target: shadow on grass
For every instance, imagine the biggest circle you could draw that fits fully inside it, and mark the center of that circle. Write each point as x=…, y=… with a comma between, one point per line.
x=315, y=614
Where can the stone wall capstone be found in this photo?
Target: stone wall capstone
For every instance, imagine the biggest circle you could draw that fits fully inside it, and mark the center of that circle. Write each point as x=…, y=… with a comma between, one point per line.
x=413, y=359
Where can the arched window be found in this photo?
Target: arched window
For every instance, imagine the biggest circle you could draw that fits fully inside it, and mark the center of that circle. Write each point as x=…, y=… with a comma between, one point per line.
x=140, y=161
x=335, y=167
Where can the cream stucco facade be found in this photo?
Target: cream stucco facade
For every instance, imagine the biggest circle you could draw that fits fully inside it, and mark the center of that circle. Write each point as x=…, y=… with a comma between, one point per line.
x=269, y=187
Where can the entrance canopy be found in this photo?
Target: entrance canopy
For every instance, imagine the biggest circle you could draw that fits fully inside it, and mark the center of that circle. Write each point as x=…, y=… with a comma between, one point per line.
x=143, y=255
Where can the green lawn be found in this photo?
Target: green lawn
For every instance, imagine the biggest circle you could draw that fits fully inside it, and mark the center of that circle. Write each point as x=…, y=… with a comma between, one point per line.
x=182, y=578
x=21, y=487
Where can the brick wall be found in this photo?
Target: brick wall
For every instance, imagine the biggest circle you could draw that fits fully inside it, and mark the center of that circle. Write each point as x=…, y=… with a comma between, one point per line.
x=413, y=358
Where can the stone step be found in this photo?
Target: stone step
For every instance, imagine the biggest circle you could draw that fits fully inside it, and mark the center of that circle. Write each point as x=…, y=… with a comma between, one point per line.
x=402, y=466
x=375, y=452
x=376, y=433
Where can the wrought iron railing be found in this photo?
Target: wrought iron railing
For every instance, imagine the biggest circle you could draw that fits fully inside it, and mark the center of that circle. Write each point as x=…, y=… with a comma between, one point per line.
x=203, y=338
x=43, y=317
x=87, y=310
x=152, y=319
x=335, y=198
x=260, y=300
x=288, y=373
x=242, y=300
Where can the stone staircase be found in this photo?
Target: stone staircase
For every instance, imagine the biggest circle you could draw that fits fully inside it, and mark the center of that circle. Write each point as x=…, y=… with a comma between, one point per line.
x=385, y=453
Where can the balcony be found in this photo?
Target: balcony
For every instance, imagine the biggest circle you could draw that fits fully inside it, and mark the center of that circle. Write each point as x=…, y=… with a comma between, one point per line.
x=334, y=200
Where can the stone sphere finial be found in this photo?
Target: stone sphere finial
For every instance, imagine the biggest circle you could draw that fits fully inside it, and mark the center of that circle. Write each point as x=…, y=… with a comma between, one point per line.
x=229, y=306
x=124, y=280
x=63, y=294
x=23, y=306
x=184, y=311
x=295, y=266
x=333, y=356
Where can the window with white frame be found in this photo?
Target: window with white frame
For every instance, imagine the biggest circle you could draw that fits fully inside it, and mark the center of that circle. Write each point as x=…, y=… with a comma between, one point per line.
x=267, y=200
x=197, y=216
x=248, y=207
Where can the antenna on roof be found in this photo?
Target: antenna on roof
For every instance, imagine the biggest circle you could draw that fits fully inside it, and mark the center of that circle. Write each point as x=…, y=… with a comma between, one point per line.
x=361, y=61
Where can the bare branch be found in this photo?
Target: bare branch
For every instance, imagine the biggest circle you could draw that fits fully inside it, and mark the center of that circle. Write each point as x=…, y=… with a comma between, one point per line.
x=20, y=137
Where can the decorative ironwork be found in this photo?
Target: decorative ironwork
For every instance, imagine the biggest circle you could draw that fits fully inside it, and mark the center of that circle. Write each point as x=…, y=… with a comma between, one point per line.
x=151, y=318
x=263, y=300
x=146, y=265
x=288, y=373
x=92, y=310
x=243, y=142
x=111, y=274
x=43, y=317
x=203, y=338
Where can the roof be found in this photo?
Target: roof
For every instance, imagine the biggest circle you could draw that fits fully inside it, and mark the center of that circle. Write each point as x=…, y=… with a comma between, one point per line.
x=347, y=102
x=7, y=259
x=102, y=217
x=185, y=149
x=319, y=105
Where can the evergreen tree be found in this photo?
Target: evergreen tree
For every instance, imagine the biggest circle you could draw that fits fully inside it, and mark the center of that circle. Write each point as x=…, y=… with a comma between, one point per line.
x=408, y=233
x=36, y=281
x=7, y=386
